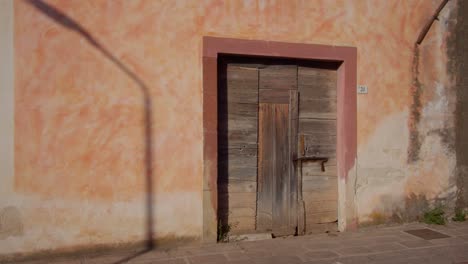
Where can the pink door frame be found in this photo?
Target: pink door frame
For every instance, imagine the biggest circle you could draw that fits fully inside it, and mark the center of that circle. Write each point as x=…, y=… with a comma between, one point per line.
x=346, y=116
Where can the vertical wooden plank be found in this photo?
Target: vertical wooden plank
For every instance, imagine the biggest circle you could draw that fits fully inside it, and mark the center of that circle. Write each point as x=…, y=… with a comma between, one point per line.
x=237, y=146
x=281, y=183
x=317, y=126
x=301, y=221
x=293, y=183
x=266, y=167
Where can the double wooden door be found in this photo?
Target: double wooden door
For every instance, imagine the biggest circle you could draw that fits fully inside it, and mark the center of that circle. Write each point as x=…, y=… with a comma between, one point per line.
x=269, y=115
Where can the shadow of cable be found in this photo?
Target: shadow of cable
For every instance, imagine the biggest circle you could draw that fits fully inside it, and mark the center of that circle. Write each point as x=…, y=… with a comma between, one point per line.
x=67, y=22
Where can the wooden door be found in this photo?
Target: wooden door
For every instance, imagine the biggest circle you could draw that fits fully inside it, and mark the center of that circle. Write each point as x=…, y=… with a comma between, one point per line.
x=276, y=196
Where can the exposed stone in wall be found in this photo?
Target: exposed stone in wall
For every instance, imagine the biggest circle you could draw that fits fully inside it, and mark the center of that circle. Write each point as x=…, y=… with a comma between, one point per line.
x=458, y=54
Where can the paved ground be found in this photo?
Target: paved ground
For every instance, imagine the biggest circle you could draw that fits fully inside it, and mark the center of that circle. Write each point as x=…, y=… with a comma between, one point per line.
x=371, y=245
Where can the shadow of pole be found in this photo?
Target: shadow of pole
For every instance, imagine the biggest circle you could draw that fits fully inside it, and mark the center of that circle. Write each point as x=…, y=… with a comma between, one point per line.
x=67, y=22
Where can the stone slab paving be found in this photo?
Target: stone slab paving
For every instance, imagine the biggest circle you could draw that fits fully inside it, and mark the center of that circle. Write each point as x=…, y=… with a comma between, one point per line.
x=370, y=245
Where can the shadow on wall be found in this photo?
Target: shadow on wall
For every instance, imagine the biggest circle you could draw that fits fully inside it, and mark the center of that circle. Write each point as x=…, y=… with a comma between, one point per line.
x=67, y=22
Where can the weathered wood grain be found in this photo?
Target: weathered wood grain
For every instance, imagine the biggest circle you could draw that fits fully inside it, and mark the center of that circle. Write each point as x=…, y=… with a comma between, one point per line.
x=322, y=206
x=323, y=195
x=322, y=217
x=237, y=111
x=317, y=83
x=237, y=186
x=237, y=147
x=310, y=170
x=317, y=129
x=293, y=154
x=237, y=200
x=237, y=158
x=320, y=138
x=320, y=184
x=317, y=126
x=281, y=201
x=320, y=150
x=238, y=132
x=275, y=96
x=317, y=108
x=266, y=166
x=242, y=86
x=278, y=77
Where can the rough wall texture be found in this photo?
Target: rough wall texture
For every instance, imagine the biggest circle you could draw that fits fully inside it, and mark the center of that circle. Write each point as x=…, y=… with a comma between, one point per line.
x=408, y=165
x=458, y=67
x=81, y=119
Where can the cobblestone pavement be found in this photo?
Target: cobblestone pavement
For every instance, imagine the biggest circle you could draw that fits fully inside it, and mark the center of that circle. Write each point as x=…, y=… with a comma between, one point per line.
x=369, y=245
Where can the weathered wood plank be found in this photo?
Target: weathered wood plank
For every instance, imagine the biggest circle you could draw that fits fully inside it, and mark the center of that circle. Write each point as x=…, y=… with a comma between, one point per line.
x=317, y=108
x=324, y=92
x=322, y=217
x=239, y=124
x=281, y=201
x=278, y=77
x=317, y=126
x=321, y=206
x=237, y=111
x=266, y=166
x=314, y=150
x=237, y=200
x=320, y=139
x=242, y=74
x=293, y=154
x=323, y=195
x=248, y=150
x=235, y=131
x=239, y=173
x=276, y=96
x=238, y=137
x=317, y=83
x=310, y=170
x=237, y=157
x=237, y=212
x=331, y=162
x=238, y=95
x=242, y=86
x=320, y=184
x=237, y=186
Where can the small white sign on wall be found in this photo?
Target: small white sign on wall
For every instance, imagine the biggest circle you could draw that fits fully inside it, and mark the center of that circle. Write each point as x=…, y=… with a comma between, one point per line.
x=362, y=89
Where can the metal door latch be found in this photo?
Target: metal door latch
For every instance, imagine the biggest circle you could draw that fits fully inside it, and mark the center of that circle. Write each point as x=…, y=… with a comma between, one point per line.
x=322, y=160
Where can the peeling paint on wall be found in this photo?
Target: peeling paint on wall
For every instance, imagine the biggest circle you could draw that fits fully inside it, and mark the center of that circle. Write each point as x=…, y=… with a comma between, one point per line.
x=424, y=174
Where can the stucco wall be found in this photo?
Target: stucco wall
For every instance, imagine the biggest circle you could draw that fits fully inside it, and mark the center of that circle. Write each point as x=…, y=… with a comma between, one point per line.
x=80, y=116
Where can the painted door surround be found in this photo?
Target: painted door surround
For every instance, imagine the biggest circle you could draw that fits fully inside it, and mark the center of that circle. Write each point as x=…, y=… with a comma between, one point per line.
x=346, y=117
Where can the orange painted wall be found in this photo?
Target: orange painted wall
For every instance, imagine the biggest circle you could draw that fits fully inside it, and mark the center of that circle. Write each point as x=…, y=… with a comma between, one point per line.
x=79, y=119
